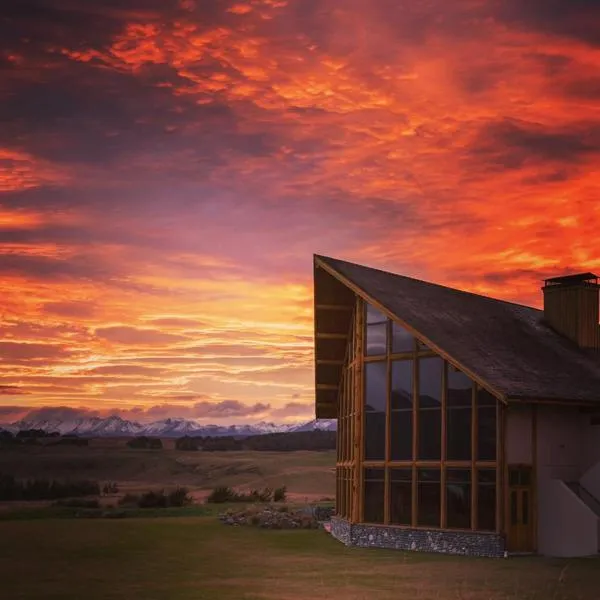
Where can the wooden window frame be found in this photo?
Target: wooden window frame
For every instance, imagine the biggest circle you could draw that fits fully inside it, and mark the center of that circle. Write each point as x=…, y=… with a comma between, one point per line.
x=359, y=359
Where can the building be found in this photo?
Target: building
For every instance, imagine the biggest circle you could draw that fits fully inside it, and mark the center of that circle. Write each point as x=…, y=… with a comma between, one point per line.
x=466, y=424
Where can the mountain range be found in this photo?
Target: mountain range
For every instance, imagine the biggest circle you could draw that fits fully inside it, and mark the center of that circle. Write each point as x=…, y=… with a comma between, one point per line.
x=115, y=426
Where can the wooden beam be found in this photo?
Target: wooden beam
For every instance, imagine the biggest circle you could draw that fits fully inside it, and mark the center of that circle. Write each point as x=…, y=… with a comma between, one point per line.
x=443, y=490
x=324, y=361
x=327, y=386
x=360, y=292
x=534, y=483
x=345, y=307
x=500, y=459
x=331, y=336
x=474, y=444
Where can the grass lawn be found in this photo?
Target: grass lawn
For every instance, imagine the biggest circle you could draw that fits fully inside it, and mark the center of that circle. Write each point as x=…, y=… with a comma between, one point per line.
x=199, y=558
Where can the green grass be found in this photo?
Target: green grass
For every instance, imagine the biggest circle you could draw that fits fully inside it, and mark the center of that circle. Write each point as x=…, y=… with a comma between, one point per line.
x=199, y=558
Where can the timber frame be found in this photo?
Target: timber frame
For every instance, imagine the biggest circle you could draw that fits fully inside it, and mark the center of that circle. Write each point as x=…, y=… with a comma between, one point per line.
x=351, y=463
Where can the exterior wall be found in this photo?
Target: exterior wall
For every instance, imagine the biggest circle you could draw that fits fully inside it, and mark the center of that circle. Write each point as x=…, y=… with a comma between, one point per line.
x=519, y=444
x=566, y=525
x=591, y=465
x=467, y=543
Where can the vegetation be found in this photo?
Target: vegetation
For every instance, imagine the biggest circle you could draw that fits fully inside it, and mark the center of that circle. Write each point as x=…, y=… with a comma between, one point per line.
x=45, y=489
x=145, y=443
x=158, y=499
x=223, y=494
x=200, y=558
x=272, y=442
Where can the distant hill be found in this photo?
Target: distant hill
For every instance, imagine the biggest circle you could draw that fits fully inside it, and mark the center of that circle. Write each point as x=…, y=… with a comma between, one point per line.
x=115, y=426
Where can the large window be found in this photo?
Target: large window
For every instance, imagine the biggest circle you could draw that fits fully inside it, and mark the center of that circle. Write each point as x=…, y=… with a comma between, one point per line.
x=458, y=498
x=400, y=496
x=375, y=410
x=430, y=408
x=458, y=415
x=376, y=332
x=486, y=426
x=401, y=446
x=374, y=495
x=428, y=497
x=429, y=435
x=486, y=499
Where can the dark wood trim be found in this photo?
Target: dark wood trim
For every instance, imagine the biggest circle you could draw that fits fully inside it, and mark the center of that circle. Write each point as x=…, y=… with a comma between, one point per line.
x=331, y=336
x=360, y=292
x=474, y=444
x=444, y=465
x=346, y=307
x=500, y=458
x=327, y=386
x=324, y=361
x=534, y=476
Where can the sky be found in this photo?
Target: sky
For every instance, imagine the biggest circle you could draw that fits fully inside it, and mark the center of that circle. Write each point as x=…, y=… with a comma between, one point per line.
x=168, y=168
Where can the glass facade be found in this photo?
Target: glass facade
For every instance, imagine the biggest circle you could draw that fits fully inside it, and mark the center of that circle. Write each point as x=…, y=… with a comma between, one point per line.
x=429, y=435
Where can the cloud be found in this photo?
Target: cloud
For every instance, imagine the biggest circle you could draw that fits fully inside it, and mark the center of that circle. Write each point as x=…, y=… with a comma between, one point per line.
x=294, y=409
x=17, y=351
x=133, y=336
x=12, y=390
x=509, y=144
x=70, y=309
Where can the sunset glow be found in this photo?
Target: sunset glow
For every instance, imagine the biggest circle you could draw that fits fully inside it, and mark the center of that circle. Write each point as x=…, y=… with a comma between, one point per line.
x=168, y=169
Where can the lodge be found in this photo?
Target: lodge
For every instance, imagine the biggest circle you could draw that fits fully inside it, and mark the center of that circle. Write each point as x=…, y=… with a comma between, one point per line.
x=466, y=424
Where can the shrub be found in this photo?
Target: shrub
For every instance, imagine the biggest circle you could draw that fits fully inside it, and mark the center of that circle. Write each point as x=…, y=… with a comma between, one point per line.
x=221, y=494
x=179, y=497
x=45, y=489
x=145, y=443
x=280, y=494
x=153, y=499
x=78, y=503
x=129, y=500
x=110, y=487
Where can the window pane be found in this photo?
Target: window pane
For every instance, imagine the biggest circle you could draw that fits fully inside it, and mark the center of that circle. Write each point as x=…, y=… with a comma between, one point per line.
x=458, y=498
x=374, y=495
x=429, y=497
x=402, y=376
x=375, y=386
x=375, y=408
x=401, y=496
x=486, y=426
x=458, y=430
x=486, y=500
x=375, y=436
x=430, y=414
x=376, y=344
x=374, y=315
x=402, y=341
x=402, y=405
x=401, y=432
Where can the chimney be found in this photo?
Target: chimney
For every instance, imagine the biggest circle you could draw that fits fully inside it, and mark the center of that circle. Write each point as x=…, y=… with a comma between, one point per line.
x=571, y=308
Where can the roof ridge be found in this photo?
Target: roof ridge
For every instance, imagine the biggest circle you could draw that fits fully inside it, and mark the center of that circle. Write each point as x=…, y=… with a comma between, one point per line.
x=422, y=281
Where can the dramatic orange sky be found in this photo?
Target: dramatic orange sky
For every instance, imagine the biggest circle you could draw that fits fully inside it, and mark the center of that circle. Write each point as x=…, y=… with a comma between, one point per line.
x=168, y=169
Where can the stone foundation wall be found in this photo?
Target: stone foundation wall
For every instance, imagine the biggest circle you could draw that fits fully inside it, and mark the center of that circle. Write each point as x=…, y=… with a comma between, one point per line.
x=467, y=543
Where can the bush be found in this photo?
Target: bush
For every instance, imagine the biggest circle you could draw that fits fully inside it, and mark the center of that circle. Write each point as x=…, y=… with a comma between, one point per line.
x=45, y=489
x=221, y=494
x=157, y=499
x=153, y=499
x=78, y=503
x=110, y=487
x=129, y=500
x=145, y=443
x=280, y=494
x=179, y=497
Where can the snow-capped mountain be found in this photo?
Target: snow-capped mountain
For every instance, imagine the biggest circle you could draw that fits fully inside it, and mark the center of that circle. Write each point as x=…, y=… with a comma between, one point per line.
x=173, y=427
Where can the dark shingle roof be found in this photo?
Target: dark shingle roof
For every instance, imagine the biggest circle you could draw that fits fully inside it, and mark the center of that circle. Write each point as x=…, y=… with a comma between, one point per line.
x=506, y=345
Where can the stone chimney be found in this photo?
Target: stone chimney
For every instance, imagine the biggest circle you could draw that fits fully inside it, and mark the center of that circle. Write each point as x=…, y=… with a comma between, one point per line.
x=571, y=308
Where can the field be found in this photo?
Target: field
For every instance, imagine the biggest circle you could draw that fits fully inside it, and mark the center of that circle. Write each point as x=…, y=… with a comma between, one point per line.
x=307, y=475
x=199, y=558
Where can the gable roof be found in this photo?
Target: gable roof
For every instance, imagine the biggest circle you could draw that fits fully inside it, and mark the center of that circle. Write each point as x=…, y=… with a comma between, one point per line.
x=504, y=346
